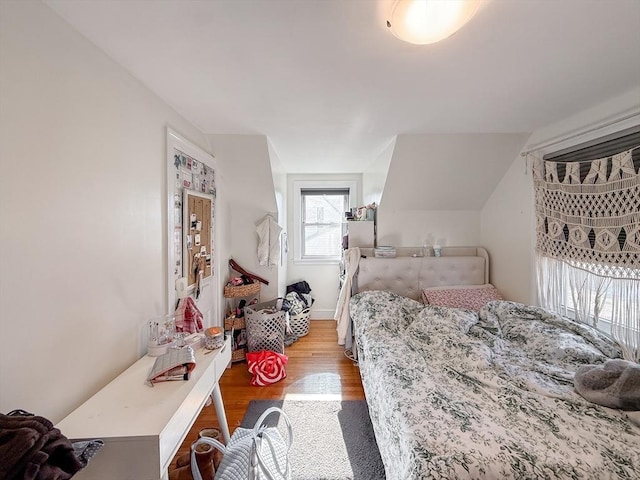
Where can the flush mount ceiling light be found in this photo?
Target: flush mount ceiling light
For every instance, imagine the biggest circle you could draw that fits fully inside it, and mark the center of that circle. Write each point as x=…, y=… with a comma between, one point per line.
x=429, y=21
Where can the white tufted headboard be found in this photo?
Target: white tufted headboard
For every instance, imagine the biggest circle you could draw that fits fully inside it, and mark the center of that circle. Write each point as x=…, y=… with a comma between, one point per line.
x=407, y=276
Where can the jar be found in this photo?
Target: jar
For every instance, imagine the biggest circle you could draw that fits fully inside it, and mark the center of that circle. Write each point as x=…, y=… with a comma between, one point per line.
x=160, y=334
x=213, y=338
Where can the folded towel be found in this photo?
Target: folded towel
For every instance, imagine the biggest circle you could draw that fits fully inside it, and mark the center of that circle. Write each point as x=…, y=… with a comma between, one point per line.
x=615, y=384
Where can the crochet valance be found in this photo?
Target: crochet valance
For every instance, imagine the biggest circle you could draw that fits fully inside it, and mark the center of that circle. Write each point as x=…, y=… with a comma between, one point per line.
x=588, y=214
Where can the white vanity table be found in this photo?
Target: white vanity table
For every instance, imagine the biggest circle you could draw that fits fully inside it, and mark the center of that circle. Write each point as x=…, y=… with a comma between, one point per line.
x=142, y=427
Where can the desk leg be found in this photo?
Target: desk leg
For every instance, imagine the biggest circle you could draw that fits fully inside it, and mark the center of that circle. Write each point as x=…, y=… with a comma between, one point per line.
x=220, y=413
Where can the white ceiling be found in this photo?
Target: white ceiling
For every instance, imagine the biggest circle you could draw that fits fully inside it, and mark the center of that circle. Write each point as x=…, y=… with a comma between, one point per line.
x=329, y=85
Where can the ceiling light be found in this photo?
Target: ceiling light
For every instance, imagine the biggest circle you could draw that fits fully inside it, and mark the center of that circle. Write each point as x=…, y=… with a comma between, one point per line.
x=429, y=21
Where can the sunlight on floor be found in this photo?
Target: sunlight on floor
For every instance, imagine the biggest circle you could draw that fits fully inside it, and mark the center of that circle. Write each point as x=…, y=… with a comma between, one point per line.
x=319, y=423
x=317, y=387
x=312, y=397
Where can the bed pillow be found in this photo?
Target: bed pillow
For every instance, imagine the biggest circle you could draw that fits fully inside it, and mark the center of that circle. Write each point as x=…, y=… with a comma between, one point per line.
x=471, y=297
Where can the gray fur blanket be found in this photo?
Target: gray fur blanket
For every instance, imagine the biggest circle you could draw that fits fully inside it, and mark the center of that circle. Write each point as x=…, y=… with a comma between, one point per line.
x=615, y=384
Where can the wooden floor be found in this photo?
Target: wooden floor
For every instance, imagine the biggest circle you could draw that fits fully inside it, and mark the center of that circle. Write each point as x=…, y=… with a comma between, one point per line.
x=316, y=366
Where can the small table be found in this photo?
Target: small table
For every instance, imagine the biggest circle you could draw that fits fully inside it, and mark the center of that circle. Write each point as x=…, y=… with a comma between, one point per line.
x=143, y=427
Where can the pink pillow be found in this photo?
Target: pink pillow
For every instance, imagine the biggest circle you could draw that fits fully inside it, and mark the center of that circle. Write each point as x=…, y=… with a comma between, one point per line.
x=471, y=297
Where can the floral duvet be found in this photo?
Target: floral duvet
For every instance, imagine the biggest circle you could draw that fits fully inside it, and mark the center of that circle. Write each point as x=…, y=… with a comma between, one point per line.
x=458, y=394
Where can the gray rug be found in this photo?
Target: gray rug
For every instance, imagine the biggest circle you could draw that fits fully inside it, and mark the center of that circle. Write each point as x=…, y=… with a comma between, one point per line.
x=332, y=440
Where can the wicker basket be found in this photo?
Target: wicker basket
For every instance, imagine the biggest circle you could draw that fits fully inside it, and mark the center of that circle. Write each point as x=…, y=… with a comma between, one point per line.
x=232, y=291
x=238, y=355
x=300, y=323
x=233, y=324
x=265, y=331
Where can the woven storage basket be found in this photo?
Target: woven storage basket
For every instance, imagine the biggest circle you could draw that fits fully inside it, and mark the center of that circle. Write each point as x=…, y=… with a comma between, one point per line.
x=300, y=323
x=231, y=324
x=238, y=355
x=232, y=291
x=265, y=331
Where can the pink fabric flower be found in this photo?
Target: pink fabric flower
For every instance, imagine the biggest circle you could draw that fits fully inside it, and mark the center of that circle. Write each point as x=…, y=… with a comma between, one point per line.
x=266, y=366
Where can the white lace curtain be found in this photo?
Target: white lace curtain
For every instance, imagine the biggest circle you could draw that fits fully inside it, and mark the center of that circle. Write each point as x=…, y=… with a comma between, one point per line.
x=588, y=243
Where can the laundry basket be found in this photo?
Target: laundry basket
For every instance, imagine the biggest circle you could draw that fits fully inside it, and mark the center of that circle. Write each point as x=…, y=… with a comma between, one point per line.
x=265, y=327
x=300, y=323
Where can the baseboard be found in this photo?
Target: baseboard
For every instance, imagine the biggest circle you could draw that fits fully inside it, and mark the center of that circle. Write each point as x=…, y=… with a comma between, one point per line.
x=325, y=314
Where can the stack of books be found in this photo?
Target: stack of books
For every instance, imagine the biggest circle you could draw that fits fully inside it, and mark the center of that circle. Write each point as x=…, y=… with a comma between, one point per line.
x=384, y=252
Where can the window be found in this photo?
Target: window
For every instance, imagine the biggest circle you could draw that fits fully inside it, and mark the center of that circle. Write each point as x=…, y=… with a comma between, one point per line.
x=322, y=222
x=593, y=312
x=588, y=235
x=318, y=220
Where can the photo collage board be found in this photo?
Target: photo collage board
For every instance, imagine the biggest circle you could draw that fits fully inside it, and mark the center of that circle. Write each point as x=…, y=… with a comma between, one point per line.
x=194, y=193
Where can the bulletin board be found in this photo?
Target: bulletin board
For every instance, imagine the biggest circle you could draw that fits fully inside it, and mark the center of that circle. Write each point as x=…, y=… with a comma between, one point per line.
x=190, y=172
x=198, y=230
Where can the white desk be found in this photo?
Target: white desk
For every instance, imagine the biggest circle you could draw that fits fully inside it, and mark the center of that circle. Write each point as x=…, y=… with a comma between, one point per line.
x=142, y=427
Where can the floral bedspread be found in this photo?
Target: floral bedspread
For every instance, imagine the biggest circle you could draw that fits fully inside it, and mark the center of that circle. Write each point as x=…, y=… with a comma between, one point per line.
x=458, y=394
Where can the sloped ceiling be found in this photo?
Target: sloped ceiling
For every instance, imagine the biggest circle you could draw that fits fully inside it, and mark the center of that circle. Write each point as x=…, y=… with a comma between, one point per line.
x=330, y=87
x=448, y=172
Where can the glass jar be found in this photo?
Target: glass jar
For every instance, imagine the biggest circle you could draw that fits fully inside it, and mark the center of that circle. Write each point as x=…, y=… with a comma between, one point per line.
x=161, y=333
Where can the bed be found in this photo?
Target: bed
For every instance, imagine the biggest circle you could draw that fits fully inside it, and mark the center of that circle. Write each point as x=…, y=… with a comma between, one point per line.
x=455, y=393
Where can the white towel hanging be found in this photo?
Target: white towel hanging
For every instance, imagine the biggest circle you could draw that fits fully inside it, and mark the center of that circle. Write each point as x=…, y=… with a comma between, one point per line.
x=269, y=241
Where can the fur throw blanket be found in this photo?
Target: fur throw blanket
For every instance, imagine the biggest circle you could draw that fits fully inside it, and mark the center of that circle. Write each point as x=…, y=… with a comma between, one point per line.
x=615, y=384
x=32, y=449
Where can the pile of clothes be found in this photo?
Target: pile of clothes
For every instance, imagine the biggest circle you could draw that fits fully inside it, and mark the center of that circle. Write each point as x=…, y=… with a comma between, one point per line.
x=32, y=448
x=297, y=300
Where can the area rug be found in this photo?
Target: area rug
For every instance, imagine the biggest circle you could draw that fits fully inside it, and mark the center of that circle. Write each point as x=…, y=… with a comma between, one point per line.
x=333, y=440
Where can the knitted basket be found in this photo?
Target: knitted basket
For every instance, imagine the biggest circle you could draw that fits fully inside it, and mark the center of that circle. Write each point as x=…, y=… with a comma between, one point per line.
x=300, y=323
x=232, y=291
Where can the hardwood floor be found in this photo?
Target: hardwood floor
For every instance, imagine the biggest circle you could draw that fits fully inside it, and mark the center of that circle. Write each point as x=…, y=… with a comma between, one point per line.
x=316, y=366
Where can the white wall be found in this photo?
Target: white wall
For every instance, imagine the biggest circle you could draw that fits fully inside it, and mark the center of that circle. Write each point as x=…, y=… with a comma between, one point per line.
x=322, y=278
x=437, y=185
x=375, y=176
x=280, y=189
x=244, y=162
x=508, y=233
x=511, y=209
x=411, y=228
x=82, y=212
x=590, y=118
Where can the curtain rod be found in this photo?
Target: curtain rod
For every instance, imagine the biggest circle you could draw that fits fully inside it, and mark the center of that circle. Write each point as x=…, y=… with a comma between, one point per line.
x=538, y=146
